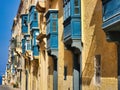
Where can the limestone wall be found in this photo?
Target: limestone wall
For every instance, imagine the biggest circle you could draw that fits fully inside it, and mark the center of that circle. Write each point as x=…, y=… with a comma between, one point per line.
x=94, y=43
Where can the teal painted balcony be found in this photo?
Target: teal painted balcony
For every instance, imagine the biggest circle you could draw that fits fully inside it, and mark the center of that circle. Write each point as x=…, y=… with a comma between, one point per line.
x=72, y=24
x=35, y=48
x=24, y=23
x=52, y=29
x=23, y=46
x=33, y=18
x=27, y=42
x=111, y=19
x=52, y=42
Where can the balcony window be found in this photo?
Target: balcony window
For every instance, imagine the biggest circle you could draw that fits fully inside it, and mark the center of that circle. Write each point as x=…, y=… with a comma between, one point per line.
x=72, y=24
x=52, y=28
x=66, y=6
x=24, y=23
x=34, y=38
x=23, y=45
x=28, y=45
x=76, y=7
x=35, y=16
x=54, y=16
x=52, y=21
x=48, y=28
x=24, y=19
x=71, y=8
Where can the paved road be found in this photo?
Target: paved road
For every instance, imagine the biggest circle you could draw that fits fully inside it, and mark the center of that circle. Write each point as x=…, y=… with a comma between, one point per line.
x=6, y=87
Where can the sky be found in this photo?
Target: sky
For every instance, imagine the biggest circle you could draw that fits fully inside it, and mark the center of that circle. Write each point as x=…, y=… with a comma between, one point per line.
x=8, y=10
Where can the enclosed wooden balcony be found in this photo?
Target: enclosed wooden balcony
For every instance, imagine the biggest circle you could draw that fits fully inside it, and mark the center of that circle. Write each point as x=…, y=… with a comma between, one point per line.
x=111, y=19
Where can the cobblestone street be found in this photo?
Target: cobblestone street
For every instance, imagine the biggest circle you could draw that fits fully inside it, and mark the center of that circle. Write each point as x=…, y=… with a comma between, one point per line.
x=6, y=87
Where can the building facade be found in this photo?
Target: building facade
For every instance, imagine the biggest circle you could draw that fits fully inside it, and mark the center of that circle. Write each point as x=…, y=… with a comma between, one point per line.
x=64, y=45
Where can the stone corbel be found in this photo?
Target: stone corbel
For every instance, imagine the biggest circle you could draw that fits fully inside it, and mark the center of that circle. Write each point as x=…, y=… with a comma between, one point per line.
x=40, y=6
x=41, y=42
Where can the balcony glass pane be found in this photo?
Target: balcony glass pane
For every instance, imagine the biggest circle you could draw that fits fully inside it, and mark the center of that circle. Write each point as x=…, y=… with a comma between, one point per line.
x=35, y=16
x=54, y=26
x=76, y=7
x=76, y=10
x=76, y=2
x=54, y=16
x=28, y=45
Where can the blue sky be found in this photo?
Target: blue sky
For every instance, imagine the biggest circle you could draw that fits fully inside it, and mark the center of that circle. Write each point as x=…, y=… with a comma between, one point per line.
x=8, y=10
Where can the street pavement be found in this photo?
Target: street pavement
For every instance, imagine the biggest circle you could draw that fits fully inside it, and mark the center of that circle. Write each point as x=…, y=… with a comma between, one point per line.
x=6, y=87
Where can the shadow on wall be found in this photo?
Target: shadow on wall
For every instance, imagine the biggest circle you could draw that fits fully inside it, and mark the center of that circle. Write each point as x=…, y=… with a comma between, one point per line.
x=50, y=65
x=68, y=62
x=96, y=21
x=35, y=64
x=99, y=45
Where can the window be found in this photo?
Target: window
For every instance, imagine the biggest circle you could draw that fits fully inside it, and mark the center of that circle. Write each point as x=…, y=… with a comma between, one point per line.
x=33, y=42
x=76, y=7
x=97, y=66
x=54, y=16
x=35, y=16
x=25, y=22
x=65, y=72
x=23, y=45
x=54, y=26
x=66, y=9
x=28, y=45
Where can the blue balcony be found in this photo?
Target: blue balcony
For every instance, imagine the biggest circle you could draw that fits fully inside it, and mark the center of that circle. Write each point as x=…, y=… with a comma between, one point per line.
x=72, y=23
x=34, y=25
x=35, y=33
x=72, y=30
x=52, y=30
x=35, y=51
x=23, y=46
x=111, y=19
x=52, y=42
x=34, y=46
x=24, y=23
x=33, y=18
x=27, y=42
x=24, y=29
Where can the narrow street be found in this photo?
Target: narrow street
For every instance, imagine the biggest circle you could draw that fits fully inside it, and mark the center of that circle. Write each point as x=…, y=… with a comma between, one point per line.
x=6, y=87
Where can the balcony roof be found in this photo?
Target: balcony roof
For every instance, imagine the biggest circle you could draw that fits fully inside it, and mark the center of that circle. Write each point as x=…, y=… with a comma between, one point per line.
x=51, y=11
